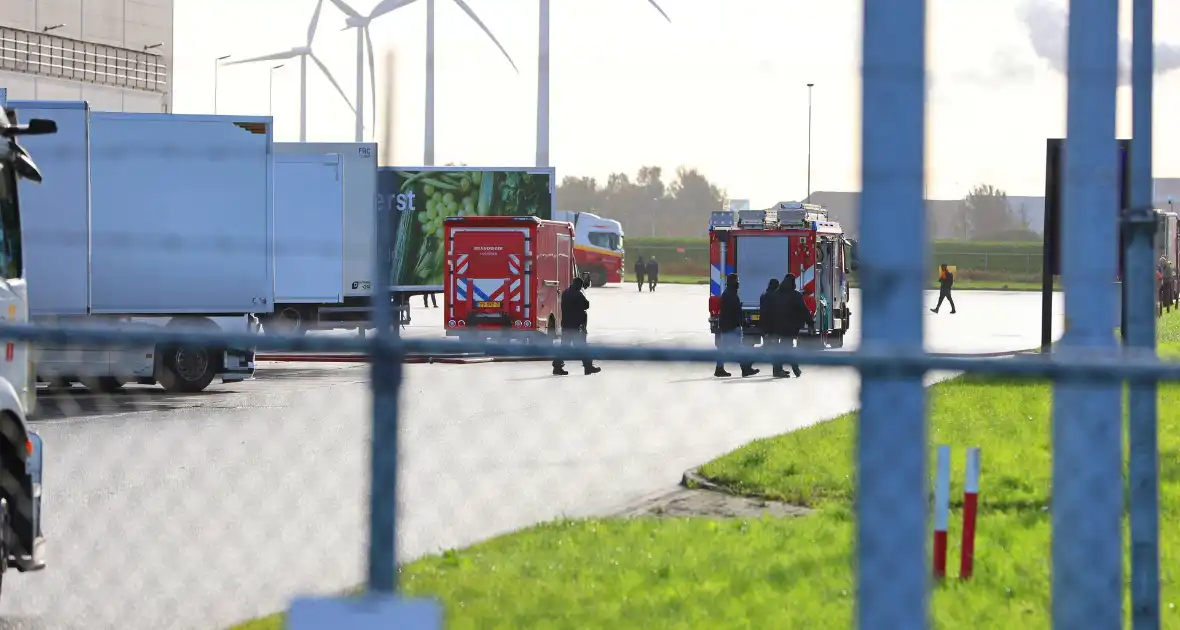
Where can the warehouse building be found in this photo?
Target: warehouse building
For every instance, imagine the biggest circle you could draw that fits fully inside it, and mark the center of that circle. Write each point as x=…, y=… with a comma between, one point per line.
x=116, y=54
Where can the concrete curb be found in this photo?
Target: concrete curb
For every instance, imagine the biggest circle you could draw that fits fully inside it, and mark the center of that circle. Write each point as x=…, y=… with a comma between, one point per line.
x=693, y=479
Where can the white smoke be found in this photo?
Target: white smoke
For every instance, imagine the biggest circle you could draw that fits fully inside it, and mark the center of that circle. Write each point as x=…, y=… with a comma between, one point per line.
x=1047, y=24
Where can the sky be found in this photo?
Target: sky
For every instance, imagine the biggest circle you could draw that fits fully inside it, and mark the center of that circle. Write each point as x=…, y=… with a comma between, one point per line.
x=721, y=88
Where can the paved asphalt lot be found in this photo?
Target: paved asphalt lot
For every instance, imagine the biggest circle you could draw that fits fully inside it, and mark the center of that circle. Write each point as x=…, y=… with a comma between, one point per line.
x=199, y=511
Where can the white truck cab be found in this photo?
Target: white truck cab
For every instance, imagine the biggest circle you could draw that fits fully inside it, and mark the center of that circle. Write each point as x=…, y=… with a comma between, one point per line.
x=21, y=452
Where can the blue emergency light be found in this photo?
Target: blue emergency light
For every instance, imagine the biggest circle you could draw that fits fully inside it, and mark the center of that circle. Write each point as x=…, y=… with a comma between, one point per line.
x=721, y=219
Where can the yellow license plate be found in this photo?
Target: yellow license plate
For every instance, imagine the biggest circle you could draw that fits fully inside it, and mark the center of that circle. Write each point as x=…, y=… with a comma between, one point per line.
x=487, y=305
x=754, y=317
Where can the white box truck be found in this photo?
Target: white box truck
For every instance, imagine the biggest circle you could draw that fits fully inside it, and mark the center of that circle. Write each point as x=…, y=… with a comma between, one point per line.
x=325, y=204
x=154, y=220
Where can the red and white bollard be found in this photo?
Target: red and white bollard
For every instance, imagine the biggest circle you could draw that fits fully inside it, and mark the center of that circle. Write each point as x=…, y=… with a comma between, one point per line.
x=942, y=508
x=970, y=510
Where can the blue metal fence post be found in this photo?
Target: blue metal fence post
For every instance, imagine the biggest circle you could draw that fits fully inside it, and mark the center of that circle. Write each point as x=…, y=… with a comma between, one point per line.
x=1087, y=424
x=1141, y=296
x=893, y=575
x=385, y=380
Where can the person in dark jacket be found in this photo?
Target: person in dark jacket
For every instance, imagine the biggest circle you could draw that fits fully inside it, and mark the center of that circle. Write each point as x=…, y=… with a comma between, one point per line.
x=640, y=271
x=573, y=325
x=946, y=280
x=653, y=273
x=792, y=314
x=730, y=325
x=768, y=314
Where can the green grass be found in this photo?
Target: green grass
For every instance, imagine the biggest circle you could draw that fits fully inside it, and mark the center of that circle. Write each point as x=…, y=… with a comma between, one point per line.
x=960, y=285
x=1012, y=262
x=645, y=573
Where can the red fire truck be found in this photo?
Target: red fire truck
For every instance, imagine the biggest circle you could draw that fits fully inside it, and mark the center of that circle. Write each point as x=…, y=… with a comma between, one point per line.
x=793, y=238
x=504, y=276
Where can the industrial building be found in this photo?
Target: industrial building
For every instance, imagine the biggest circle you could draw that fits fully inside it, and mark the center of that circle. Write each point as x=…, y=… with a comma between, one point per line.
x=116, y=54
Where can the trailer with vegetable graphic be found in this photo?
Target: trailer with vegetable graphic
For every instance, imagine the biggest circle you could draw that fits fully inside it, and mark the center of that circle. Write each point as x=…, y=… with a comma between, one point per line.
x=442, y=192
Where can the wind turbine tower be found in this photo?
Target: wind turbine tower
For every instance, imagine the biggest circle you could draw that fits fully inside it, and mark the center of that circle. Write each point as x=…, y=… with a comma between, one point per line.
x=303, y=53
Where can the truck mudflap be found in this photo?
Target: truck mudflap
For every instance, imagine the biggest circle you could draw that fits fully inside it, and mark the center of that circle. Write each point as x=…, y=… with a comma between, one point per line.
x=238, y=365
x=21, y=466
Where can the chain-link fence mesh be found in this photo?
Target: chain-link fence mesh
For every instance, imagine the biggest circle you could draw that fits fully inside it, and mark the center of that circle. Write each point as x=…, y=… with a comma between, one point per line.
x=201, y=509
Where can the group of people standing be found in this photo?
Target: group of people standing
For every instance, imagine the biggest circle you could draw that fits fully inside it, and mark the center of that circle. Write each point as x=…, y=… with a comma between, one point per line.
x=650, y=270
x=782, y=312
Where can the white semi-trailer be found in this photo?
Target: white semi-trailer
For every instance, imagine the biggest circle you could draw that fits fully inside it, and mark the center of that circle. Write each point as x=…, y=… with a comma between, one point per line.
x=325, y=204
x=153, y=221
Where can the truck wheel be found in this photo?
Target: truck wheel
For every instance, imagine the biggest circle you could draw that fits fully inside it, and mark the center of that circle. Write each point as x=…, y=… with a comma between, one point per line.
x=188, y=369
x=288, y=321
x=597, y=276
x=5, y=533
x=104, y=384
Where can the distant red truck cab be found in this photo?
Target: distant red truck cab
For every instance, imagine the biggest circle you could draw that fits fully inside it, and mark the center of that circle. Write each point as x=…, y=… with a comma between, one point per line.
x=505, y=275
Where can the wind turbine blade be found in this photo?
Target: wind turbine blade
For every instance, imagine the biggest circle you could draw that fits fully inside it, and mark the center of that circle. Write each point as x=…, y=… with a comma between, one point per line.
x=372, y=84
x=289, y=54
x=339, y=90
x=657, y=7
x=315, y=21
x=387, y=6
x=471, y=14
x=345, y=9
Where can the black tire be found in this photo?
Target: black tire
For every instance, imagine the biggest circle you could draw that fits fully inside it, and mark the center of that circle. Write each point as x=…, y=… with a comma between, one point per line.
x=59, y=382
x=188, y=369
x=288, y=321
x=597, y=276
x=104, y=384
x=5, y=537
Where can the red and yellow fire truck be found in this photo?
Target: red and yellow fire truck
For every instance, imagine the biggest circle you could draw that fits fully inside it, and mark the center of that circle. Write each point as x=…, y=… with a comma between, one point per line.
x=793, y=238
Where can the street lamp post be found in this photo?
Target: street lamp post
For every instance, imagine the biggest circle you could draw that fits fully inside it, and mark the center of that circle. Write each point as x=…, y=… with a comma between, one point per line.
x=216, y=69
x=271, y=93
x=809, y=86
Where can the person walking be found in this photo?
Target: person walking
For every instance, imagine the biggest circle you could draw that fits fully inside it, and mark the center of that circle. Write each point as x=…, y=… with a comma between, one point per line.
x=1168, y=285
x=946, y=280
x=792, y=314
x=427, y=298
x=653, y=273
x=767, y=316
x=640, y=271
x=573, y=326
x=730, y=326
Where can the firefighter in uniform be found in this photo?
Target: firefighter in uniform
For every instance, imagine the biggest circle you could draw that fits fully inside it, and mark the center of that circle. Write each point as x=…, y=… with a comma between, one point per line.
x=640, y=271
x=573, y=325
x=730, y=326
x=768, y=315
x=793, y=314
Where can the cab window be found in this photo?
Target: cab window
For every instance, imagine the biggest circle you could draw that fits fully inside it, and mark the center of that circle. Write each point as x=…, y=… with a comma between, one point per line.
x=10, y=243
x=605, y=240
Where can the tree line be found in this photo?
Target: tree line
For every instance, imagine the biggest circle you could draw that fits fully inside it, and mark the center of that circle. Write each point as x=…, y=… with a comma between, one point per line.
x=645, y=204
x=986, y=214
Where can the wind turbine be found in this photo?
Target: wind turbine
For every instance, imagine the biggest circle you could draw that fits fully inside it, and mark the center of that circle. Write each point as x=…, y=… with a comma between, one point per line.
x=303, y=53
x=361, y=23
x=543, y=80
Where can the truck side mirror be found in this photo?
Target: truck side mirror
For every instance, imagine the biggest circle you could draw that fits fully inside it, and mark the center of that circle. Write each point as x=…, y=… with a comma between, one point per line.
x=40, y=127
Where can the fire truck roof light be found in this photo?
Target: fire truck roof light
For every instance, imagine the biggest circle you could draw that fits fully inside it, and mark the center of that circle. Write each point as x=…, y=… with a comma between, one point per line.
x=721, y=219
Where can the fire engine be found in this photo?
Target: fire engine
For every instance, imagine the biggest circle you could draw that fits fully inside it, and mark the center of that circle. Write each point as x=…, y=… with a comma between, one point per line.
x=792, y=237
x=504, y=276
